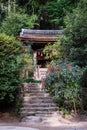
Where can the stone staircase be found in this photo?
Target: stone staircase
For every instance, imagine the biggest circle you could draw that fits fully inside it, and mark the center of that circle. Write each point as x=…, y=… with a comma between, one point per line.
x=37, y=105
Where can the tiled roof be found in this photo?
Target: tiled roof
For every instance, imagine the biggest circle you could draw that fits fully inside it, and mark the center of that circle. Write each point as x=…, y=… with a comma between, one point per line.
x=40, y=35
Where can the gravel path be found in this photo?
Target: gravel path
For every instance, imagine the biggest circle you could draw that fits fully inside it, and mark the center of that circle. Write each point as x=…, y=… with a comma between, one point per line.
x=74, y=124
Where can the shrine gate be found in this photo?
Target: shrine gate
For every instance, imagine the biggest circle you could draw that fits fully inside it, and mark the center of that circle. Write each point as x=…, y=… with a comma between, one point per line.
x=38, y=39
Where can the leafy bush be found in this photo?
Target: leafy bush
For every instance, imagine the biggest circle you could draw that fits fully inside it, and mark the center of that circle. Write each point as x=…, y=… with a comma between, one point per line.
x=54, y=51
x=30, y=80
x=84, y=88
x=15, y=22
x=75, y=36
x=57, y=10
x=10, y=67
x=63, y=81
x=84, y=78
x=2, y=15
x=27, y=62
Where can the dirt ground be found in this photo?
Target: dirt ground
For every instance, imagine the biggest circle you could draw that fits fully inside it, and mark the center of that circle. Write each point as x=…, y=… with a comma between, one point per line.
x=68, y=123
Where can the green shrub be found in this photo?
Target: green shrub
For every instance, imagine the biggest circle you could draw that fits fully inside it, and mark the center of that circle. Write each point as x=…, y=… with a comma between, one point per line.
x=13, y=23
x=10, y=68
x=63, y=81
x=84, y=88
x=84, y=78
x=75, y=36
x=30, y=80
x=27, y=62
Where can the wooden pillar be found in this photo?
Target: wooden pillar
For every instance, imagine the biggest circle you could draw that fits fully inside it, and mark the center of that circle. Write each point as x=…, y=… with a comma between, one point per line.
x=35, y=59
x=35, y=64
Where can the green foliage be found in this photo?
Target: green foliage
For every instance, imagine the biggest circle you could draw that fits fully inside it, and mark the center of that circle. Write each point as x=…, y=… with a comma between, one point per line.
x=51, y=13
x=13, y=23
x=84, y=87
x=54, y=51
x=30, y=80
x=10, y=68
x=8, y=6
x=75, y=38
x=2, y=15
x=63, y=81
x=57, y=10
x=27, y=62
x=84, y=78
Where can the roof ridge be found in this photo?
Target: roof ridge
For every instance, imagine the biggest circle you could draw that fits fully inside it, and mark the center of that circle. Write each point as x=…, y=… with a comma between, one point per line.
x=33, y=31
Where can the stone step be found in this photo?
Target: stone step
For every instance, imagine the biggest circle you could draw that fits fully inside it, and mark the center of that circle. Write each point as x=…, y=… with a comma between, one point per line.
x=34, y=95
x=45, y=96
x=37, y=100
x=36, y=87
x=35, y=92
x=31, y=89
x=39, y=105
x=27, y=87
x=38, y=94
x=45, y=115
x=32, y=119
x=30, y=84
x=34, y=109
x=37, y=113
x=41, y=94
x=42, y=120
x=27, y=96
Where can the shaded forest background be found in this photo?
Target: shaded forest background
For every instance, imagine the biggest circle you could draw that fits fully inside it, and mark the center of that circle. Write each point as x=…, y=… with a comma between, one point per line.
x=50, y=13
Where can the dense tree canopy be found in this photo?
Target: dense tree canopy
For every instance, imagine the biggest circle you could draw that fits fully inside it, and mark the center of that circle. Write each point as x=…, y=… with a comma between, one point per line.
x=75, y=38
x=50, y=13
x=57, y=10
x=13, y=24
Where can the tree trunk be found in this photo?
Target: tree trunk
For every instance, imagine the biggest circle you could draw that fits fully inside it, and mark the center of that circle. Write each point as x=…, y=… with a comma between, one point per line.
x=14, y=6
x=9, y=7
